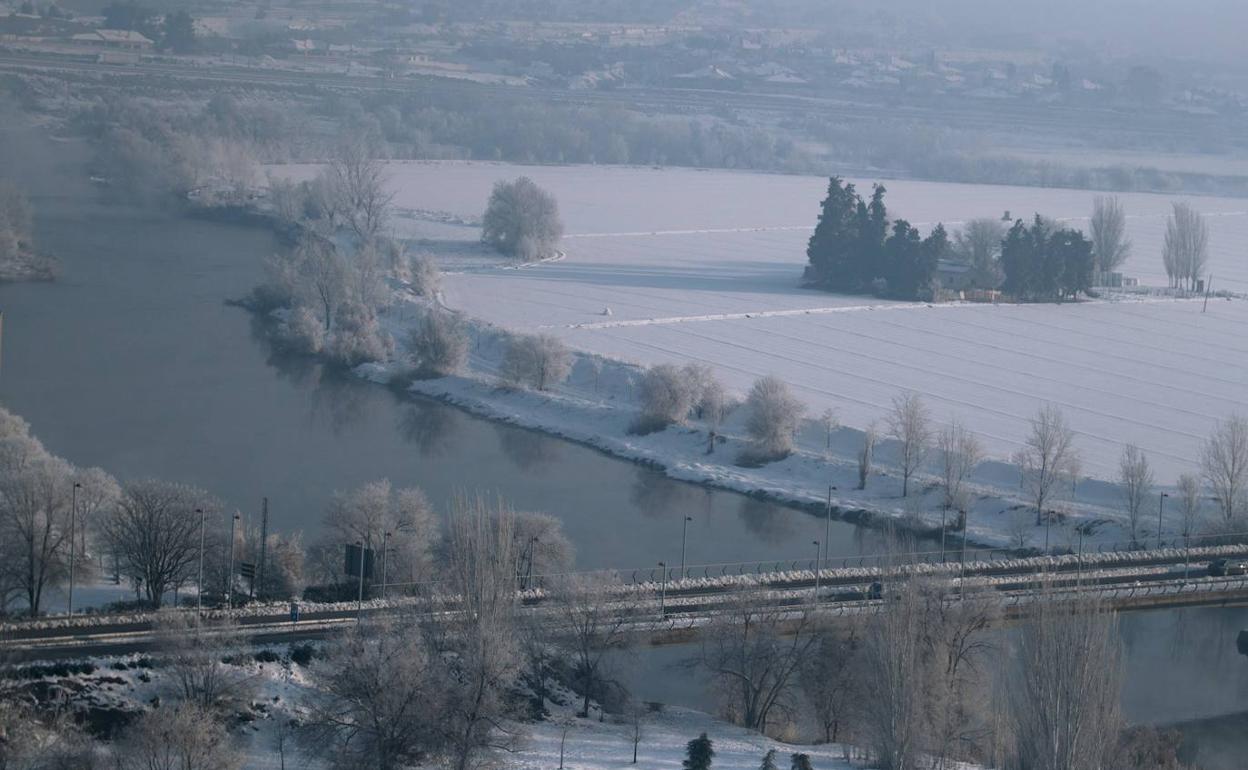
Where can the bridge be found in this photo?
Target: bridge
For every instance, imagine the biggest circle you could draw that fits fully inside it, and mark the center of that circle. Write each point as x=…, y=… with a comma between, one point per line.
x=666, y=606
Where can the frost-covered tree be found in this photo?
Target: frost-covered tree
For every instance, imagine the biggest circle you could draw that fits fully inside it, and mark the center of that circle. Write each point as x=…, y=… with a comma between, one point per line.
x=667, y=397
x=154, y=529
x=375, y=512
x=910, y=426
x=194, y=654
x=1108, y=227
x=181, y=737
x=1188, y=487
x=1135, y=482
x=1224, y=463
x=774, y=414
x=522, y=220
x=359, y=185
x=35, y=497
x=439, y=344
x=1185, y=252
x=866, y=456
x=1048, y=457
x=426, y=277
x=961, y=453
x=536, y=361
x=978, y=242
x=540, y=544
x=594, y=625
x=357, y=337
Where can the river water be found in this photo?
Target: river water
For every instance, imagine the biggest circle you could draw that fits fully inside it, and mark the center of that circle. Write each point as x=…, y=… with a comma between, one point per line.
x=134, y=362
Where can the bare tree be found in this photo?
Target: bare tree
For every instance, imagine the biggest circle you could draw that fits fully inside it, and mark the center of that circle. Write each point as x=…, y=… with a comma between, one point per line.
x=637, y=725
x=979, y=243
x=1135, y=481
x=866, y=456
x=35, y=495
x=522, y=220
x=831, y=677
x=359, y=183
x=183, y=737
x=961, y=453
x=893, y=675
x=1110, y=245
x=754, y=650
x=774, y=413
x=593, y=625
x=1065, y=692
x=439, y=344
x=1224, y=463
x=194, y=654
x=378, y=702
x=481, y=568
x=910, y=426
x=1186, y=249
x=154, y=529
x=538, y=361
x=1048, y=457
x=667, y=396
x=375, y=512
x=1188, y=487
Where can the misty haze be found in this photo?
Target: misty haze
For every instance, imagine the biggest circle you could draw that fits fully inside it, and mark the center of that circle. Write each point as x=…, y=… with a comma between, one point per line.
x=598, y=384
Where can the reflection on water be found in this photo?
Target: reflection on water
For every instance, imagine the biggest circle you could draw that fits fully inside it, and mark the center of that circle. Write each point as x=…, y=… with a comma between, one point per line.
x=144, y=370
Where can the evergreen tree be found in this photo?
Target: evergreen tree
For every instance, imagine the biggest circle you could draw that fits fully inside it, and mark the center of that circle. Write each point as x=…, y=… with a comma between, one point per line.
x=179, y=32
x=831, y=246
x=1019, y=258
x=1074, y=251
x=801, y=762
x=769, y=761
x=903, y=260
x=698, y=754
x=869, y=258
x=936, y=246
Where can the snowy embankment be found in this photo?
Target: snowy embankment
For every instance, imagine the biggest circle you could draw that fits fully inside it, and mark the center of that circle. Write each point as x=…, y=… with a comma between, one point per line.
x=597, y=404
x=676, y=266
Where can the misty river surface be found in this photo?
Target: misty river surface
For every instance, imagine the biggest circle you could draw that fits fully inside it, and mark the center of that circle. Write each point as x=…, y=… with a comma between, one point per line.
x=133, y=362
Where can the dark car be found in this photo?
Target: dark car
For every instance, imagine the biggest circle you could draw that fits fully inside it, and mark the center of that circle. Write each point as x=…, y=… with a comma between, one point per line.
x=1224, y=567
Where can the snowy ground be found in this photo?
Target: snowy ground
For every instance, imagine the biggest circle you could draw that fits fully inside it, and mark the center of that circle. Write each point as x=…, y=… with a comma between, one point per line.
x=704, y=266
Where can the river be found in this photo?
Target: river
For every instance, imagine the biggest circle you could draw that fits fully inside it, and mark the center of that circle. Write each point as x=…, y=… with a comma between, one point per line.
x=133, y=362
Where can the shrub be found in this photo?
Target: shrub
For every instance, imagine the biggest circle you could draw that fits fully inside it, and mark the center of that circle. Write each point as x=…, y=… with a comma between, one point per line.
x=357, y=337
x=439, y=344
x=667, y=396
x=426, y=278
x=537, y=361
x=773, y=418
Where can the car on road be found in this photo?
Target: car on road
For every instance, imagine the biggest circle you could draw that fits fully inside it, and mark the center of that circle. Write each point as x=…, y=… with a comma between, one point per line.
x=1224, y=567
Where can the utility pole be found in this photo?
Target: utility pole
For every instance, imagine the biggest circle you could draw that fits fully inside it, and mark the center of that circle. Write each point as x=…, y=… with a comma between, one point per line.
x=684, y=534
x=359, y=599
x=385, y=542
x=818, y=551
x=229, y=581
x=1161, y=506
x=199, y=583
x=73, y=543
x=827, y=522
x=264, y=541
x=663, y=592
x=1208, y=288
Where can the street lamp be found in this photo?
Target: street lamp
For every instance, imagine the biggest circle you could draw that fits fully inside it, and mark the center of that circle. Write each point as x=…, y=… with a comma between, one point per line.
x=229, y=579
x=359, y=599
x=818, y=551
x=663, y=592
x=1161, y=506
x=199, y=583
x=73, y=542
x=827, y=525
x=385, y=539
x=684, y=534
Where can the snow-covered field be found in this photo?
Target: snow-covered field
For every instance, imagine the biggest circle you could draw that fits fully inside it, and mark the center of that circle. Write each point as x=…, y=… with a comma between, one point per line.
x=704, y=265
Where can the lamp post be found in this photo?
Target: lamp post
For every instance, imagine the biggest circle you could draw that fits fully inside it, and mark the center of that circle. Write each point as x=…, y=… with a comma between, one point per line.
x=818, y=552
x=827, y=525
x=1161, y=507
x=229, y=579
x=359, y=598
x=385, y=540
x=684, y=535
x=73, y=543
x=663, y=592
x=199, y=582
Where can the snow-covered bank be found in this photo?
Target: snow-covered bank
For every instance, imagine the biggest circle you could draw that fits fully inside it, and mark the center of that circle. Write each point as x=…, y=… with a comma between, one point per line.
x=598, y=402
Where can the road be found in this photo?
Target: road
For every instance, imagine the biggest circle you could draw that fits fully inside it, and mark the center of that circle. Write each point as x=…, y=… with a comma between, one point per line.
x=671, y=612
